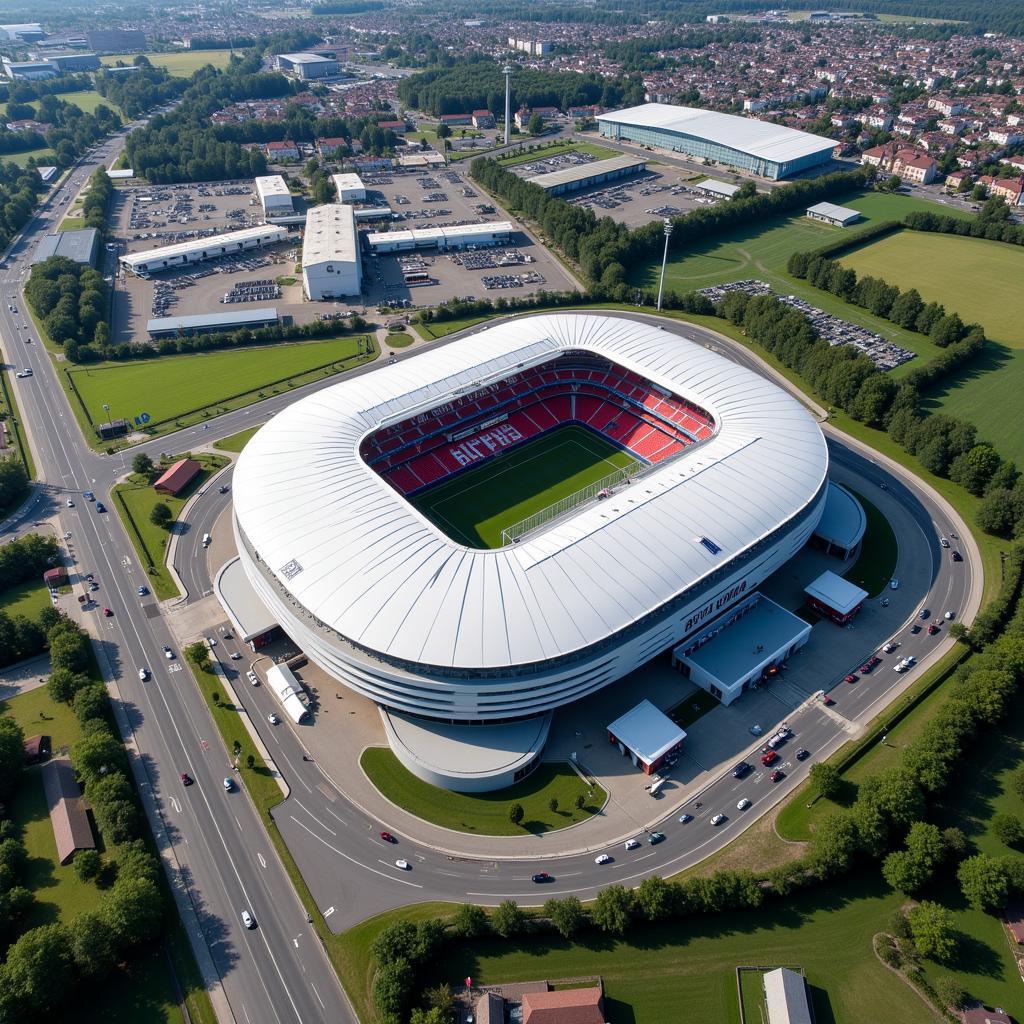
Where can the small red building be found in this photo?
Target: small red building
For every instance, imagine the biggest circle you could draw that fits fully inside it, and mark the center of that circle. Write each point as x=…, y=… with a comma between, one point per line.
x=55, y=577
x=174, y=480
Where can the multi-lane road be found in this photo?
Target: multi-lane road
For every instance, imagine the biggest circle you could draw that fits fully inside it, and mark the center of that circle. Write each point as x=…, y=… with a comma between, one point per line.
x=218, y=855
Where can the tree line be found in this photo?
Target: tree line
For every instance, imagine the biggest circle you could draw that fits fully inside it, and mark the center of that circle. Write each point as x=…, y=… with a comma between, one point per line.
x=72, y=300
x=140, y=91
x=44, y=967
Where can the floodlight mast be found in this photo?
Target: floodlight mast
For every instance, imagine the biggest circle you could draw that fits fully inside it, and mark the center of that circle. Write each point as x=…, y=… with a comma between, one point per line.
x=664, y=260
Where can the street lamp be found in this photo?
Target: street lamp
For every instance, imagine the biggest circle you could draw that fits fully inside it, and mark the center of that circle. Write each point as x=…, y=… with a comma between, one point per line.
x=664, y=260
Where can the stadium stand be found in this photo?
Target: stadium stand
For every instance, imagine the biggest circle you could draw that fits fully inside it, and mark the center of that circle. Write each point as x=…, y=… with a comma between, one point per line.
x=619, y=405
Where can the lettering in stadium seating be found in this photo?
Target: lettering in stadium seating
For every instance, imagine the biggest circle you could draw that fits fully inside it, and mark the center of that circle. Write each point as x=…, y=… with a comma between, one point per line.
x=717, y=604
x=485, y=444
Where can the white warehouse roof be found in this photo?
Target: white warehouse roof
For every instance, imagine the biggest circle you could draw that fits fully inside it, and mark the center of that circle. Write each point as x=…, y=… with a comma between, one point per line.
x=746, y=134
x=261, y=233
x=839, y=594
x=646, y=731
x=272, y=185
x=420, y=237
x=330, y=235
x=354, y=553
x=348, y=182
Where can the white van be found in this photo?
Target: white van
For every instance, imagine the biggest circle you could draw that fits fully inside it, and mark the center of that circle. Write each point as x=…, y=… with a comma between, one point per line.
x=206, y=540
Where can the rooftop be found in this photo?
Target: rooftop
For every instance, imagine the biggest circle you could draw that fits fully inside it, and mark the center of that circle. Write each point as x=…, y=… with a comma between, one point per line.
x=271, y=185
x=646, y=731
x=330, y=235
x=79, y=246
x=831, y=210
x=196, y=321
x=840, y=595
x=580, y=172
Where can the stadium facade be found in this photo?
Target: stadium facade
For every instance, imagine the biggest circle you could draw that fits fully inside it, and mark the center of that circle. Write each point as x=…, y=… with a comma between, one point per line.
x=769, y=150
x=388, y=604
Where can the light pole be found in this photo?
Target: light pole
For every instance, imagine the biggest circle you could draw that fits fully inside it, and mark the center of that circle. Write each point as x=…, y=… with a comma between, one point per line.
x=507, y=72
x=664, y=260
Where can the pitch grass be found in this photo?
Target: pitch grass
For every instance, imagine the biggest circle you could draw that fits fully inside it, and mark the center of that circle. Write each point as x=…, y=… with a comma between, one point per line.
x=542, y=152
x=178, y=391
x=685, y=969
x=970, y=275
x=134, y=502
x=478, y=504
x=179, y=65
x=486, y=814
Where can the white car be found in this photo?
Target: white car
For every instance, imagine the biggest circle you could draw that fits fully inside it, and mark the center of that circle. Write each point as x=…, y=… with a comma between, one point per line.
x=743, y=804
x=602, y=858
x=948, y=616
x=252, y=677
x=403, y=864
x=632, y=844
x=248, y=920
x=70, y=503
x=944, y=542
x=143, y=674
x=718, y=819
x=235, y=656
x=273, y=719
x=894, y=584
x=890, y=647
x=168, y=653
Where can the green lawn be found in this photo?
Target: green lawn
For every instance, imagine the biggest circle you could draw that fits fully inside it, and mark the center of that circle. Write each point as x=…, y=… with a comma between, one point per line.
x=134, y=502
x=87, y=100
x=970, y=275
x=478, y=504
x=690, y=964
x=25, y=599
x=879, y=550
x=398, y=339
x=236, y=442
x=181, y=64
x=43, y=156
x=542, y=151
x=486, y=813
x=177, y=391
x=72, y=224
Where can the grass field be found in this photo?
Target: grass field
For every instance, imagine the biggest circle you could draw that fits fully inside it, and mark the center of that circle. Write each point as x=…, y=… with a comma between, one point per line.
x=25, y=599
x=43, y=156
x=180, y=65
x=134, y=502
x=177, y=391
x=478, y=504
x=486, y=813
x=87, y=100
x=969, y=275
x=689, y=965
x=236, y=442
x=599, y=152
x=879, y=551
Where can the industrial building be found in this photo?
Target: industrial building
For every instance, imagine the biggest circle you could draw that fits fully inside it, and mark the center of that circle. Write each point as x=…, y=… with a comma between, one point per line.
x=829, y=213
x=835, y=597
x=307, y=66
x=769, y=150
x=115, y=40
x=350, y=188
x=647, y=736
x=600, y=172
x=331, y=260
x=274, y=195
x=80, y=246
x=27, y=32
x=785, y=996
x=714, y=189
x=66, y=63
x=496, y=233
x=206, y=323
x=195, y=250
x=29, y=70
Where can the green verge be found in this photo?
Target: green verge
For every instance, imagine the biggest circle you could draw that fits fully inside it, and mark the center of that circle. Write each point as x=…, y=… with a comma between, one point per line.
x=879, y=551
x=9, y=405
x=236, y=442
x=179, y=64
x=558, y=148
x=399, y=339
x=72, y=224
x=487, y=813
x=134, y=502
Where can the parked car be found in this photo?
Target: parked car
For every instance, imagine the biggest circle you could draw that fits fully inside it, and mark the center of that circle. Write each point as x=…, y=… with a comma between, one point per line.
x=769, y=757
x=107, y=613
x=168, y=653
x=718, y=819
x=849, y=678
x=143, y=591
x=827, y=700
x=686, y=818
x=915, y=628
x=743, y=804
x=100, y=507
x=894, y=584
x=388, y=837
x=949, y=615
x=933, y=629
x=70, y=503
x=891, y=646
x=944, y=542
x=403, y=864
x=602, y=858
x=923, y=613
x=956, y=556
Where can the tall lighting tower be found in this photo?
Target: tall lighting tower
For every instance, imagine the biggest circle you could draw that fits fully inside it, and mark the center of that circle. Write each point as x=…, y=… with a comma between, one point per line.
x=664, y=260
x=507, y=72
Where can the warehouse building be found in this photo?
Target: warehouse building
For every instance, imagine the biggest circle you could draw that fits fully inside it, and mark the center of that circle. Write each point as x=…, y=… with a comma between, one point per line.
x=331, y=260
x=829, y=213
x=274, y=195
x=497, y=233
x=195, y=250
x=714, y=189
x=769, y=150
x=26, y=32
x=205, y=323
x=67, y=63
x=600, y=172
x=29, y=70
x=115, y=40
x=80, y=246
x=350, y=188
x=307, y=66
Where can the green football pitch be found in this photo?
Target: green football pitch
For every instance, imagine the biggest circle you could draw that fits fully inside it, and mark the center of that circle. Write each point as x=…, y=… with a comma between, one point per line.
x=478, y=504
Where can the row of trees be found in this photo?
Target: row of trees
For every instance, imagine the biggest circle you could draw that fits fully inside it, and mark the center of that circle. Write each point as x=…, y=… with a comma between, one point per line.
x=993, y=222
x=71, y=299
x=13, y=478
x=141, y=90
x=26, y=558
x=20, y=188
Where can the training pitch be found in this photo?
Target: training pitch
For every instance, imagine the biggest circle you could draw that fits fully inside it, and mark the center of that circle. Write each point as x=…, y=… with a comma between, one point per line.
x=478, y=504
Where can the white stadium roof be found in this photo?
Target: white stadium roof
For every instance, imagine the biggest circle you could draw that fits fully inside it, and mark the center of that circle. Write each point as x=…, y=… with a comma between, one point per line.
x=363, y=561
x=746, y=134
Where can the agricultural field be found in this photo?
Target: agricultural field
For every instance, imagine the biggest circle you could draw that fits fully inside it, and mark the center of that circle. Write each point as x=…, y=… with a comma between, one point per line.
x=761, y=251
x=181, y=64
x=477, y=505
x=180, y=390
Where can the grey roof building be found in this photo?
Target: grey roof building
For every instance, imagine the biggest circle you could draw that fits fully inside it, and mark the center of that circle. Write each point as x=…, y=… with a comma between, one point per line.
x=81, y=246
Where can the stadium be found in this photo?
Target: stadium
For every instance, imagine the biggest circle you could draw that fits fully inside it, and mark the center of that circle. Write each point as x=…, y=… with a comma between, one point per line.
x=514, y=520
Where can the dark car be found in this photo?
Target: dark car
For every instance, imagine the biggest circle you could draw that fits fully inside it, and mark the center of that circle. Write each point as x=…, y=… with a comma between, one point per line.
x=933, y=629
x=956, y=556
x=388, y=837
x=542, y=876
x=186, y=779
x=655, y=837
x=100, y=507
x=802, y=754
x=740, y=770
x=777, y=775
x=849, y=678
x=915, y=628
x=223, y=489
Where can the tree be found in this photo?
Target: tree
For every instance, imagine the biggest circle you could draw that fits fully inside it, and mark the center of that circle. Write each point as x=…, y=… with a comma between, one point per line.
x=161, y=515
x=440, y=998
x=983, y=882
x=955, y=842
x=950, y=992
x=88, y=864
x=391, y=988
x=432, y=1016
x=566, y=915
x=90, y=702
x=746, y=191
x=613, y=909
x=932, y=928
x=508, y=919
x=97, y=754
x=825, y=778
x=535, y=126
x=93, y=943
x=515, y=813
x=654, y=898
x=1017, y=782
x=469, y=921
x=1008, y=829
x=553, y=805
x=142, y=464
x=893, y=183
x=64, y=685
x=12, y=754
x=580, y=802
x=975, y=468
x=833, y=846
x=133, y=909
x=443, y=131
x=39, y=968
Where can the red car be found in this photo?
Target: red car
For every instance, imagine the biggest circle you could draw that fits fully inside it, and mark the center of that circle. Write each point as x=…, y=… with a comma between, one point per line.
x=933, y=629
x=107, y=612
x=768, y=758
x=388, y=837
x=186, y=779
x=850, y=678
x=827, y=700
x=777, y=775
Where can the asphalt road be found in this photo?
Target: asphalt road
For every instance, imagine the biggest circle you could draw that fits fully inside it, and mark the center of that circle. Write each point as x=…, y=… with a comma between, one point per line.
x=351, y=871
x=222, y=860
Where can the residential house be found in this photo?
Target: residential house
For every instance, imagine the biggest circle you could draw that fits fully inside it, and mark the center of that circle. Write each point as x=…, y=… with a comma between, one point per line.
x=483, y=119
x=281, y=151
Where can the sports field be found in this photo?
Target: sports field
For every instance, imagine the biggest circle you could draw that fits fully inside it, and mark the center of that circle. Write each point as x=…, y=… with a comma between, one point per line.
x=181, y=64
x=477, y=505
